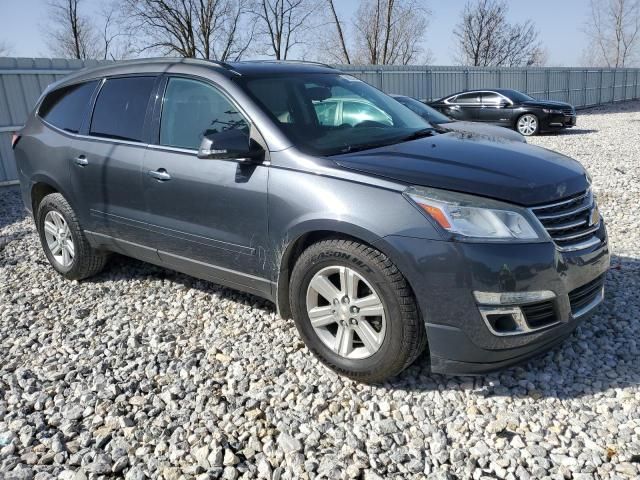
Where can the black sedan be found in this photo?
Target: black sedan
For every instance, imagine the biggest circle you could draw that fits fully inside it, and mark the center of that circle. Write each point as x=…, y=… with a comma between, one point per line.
x=508, y=108
x=434, y=117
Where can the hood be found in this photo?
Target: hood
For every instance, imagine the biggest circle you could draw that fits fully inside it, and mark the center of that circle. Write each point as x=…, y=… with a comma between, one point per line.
x=547, y=104
x=514, y=172
x=490, y=131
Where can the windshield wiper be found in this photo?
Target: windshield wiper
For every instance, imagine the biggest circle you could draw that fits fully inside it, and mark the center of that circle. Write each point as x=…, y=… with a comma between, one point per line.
x=425, y=132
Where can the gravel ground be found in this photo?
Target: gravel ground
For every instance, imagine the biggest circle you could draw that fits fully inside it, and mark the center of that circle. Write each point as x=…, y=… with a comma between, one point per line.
x=145, y=373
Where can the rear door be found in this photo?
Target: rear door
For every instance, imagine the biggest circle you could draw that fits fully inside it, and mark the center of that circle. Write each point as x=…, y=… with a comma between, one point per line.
x=465, y=106
x=209, y=217
x=107, y=168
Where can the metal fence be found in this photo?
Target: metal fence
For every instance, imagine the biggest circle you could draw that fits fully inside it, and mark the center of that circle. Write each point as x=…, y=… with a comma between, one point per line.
x=579, y=86
x=23, y=79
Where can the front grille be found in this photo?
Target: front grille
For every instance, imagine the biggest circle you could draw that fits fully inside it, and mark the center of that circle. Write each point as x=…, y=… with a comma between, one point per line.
x=584, y=295
x=572, y=223
x=568, y=111
x=539, y=314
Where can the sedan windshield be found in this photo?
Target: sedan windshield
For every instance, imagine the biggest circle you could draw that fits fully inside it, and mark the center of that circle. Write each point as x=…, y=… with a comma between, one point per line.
x=328, y=114
x=425, y=111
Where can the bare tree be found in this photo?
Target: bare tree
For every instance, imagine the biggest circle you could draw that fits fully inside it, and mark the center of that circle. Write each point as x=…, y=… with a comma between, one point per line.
x=209, y=29
x=339, y=33
x=391, y=32
x=614, y=30
x=486, y=38
x=71, y=34
x=5, y=49
x=283, y=24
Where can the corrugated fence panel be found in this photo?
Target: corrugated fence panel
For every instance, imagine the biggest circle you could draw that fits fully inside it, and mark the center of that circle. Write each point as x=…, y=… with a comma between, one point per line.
x=22, y=80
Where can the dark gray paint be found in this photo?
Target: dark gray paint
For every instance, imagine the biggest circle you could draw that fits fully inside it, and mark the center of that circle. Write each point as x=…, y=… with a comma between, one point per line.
x=239, y=225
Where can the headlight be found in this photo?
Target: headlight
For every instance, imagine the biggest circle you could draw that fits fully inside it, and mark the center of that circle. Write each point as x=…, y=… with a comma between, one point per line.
x=551, y=110
x=474, y=217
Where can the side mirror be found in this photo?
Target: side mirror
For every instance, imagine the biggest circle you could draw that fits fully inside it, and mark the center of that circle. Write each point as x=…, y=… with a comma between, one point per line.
x=232, y=144
x=504, y=103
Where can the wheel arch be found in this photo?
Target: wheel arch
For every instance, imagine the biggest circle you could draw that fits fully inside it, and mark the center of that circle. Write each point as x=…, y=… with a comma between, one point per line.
x=301, y=239
x=41, y=186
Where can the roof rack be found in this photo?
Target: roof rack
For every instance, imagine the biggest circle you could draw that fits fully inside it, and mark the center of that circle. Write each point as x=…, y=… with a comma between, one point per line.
x=309, y=62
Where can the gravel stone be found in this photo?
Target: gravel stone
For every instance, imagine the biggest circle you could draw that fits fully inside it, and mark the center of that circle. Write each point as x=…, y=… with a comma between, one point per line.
x=142, y=372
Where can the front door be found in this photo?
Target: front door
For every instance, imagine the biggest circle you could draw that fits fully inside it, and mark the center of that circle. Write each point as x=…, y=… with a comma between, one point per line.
x=209, y=216
x=495, y=109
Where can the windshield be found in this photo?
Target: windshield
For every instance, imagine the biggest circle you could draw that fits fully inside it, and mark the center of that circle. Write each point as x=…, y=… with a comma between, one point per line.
x=425, y=111
x=517, y=96
x=327, y=114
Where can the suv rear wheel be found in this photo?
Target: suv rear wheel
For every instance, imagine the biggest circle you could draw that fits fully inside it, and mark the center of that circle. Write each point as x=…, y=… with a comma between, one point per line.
x=355, y=310
x=63, y=241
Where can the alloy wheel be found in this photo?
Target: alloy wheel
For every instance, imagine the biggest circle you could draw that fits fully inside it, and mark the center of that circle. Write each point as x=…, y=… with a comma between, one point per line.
x=527, y=125
x=58, y=237
x=346, y=312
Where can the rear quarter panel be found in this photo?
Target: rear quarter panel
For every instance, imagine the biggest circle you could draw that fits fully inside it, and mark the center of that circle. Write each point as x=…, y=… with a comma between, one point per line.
x=42, y=155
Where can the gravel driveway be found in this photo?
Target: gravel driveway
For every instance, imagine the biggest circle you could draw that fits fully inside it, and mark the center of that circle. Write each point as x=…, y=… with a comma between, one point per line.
x=142, y=372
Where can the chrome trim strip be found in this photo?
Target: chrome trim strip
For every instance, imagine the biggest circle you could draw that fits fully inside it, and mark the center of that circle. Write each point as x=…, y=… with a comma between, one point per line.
x=518, y=317
x=563, y=202
x=598, y=299
x=565, y=214
x=566, y=226
x=584, y=233
x=580, y=246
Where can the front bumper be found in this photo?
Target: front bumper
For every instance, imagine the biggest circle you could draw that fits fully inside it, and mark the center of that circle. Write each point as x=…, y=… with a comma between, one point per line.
x=444, y=276
x=559, y=121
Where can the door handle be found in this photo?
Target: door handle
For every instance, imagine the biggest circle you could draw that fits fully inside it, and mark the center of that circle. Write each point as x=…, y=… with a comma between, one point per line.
x=161, y=174
x=81, y=161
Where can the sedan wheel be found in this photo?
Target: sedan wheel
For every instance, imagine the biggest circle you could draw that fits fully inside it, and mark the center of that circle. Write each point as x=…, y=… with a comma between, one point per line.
x=346, y=312
x=527, y=125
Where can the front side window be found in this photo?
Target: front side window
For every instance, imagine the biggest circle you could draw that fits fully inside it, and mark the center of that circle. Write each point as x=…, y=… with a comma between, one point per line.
x=121, y=108
x=491, y=98
x=67, y=107
x=332, y=113
x=193, y=109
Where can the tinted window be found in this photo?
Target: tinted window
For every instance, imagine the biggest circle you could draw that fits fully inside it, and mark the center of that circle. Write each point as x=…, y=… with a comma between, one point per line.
x=468, y=98
x=425, y=111
x=326, y=112
x=66, y=107
x=355, y=113
x=193, y=109
x=491, y=98
x=121, y=108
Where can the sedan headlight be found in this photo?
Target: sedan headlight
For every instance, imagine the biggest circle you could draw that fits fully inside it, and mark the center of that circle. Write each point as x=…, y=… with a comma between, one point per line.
x=552, y=110
x=474, y=217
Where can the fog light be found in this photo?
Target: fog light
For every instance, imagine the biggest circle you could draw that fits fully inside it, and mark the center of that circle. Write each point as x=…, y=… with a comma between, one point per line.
x=512, y=298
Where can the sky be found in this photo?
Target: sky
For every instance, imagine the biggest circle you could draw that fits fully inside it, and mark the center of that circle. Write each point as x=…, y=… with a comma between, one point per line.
x=559, y=22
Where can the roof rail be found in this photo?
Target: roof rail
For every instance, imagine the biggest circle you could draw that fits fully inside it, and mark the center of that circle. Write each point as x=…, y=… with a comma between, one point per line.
x=309, y=62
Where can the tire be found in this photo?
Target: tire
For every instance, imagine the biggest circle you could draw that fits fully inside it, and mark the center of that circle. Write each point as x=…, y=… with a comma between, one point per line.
x=84, y=261
x=528, y=125
x=399, y=331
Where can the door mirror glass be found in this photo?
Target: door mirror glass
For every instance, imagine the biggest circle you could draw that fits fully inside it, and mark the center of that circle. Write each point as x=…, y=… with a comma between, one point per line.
x=229, y=144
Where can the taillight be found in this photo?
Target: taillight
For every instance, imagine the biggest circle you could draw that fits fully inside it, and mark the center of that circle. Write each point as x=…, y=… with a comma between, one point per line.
x=14, y=140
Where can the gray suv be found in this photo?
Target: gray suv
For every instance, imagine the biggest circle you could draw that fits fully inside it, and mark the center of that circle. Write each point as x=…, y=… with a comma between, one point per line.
x=379, y=234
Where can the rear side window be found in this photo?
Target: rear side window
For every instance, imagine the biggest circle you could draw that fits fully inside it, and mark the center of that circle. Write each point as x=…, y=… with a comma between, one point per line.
x=67, y=107
x=121, y=107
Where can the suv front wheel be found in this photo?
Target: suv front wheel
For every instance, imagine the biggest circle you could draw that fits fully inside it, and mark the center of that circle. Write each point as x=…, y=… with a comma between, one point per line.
x=64, y=242
x=355, y=310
